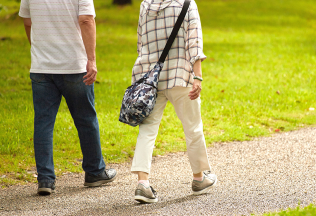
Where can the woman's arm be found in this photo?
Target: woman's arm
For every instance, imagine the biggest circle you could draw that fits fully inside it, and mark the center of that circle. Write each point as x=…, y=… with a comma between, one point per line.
x=195, y=47
x=139, y=32
x=197, y=84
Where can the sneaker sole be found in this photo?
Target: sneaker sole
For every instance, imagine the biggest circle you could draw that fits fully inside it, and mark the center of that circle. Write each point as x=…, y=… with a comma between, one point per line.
x=142, y=199
x=99, y=183
x=205, y=190
x=45, y=191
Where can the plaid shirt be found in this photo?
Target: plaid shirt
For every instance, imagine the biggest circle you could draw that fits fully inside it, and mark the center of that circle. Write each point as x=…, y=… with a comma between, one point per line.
x=156, y=21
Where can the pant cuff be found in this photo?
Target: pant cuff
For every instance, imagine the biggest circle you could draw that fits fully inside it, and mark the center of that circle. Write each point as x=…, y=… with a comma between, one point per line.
x=46, y=181
x=139, y=169
x=201, y=170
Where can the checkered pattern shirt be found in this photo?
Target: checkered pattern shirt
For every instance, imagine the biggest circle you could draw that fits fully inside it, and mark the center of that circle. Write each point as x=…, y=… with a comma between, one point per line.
x=156, y=21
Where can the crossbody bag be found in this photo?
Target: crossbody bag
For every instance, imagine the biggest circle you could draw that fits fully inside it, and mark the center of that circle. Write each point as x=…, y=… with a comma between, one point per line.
x=140, y=98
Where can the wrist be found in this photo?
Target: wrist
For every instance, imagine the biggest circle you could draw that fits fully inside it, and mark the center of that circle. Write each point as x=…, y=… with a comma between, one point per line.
x=91, y=56
x=198, y=78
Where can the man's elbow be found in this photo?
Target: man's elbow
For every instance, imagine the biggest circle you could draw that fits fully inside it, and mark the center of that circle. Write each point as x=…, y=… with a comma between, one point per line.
x=86, y=20
x=27, y=22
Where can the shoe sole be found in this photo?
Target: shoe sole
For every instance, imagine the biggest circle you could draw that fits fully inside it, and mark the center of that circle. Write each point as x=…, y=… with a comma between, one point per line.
x=142, y=199
x=99, y=183
x=45, y=191
x=205, y=190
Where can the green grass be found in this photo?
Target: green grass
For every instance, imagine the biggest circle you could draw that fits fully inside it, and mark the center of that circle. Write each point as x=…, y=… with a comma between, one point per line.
x=298, y=211
x=255, y=49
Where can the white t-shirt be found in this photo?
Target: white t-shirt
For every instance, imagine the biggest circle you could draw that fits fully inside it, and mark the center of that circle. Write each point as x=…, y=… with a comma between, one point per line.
x=56, y=42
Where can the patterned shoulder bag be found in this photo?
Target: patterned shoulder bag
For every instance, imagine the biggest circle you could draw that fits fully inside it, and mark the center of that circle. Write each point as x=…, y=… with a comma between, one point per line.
x=140, y=98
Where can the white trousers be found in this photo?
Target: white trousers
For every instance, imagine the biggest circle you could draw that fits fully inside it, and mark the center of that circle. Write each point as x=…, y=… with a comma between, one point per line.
x=189, y=112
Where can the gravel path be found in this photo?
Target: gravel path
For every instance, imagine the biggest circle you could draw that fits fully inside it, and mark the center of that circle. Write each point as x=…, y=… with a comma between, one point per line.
x=265, y=174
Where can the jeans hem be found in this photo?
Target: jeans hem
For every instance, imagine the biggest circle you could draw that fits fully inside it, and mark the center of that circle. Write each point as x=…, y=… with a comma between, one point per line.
x=96, y=174
x=46, y=181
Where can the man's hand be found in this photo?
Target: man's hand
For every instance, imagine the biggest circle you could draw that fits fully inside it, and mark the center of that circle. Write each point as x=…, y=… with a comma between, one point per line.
x=196, y=89
x=92, y=71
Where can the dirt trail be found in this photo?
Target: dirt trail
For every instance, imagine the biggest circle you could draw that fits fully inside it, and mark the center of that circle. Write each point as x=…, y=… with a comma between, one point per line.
x=265, y=174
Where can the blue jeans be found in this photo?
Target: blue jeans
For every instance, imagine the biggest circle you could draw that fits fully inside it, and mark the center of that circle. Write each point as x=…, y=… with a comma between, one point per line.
x=48, y=90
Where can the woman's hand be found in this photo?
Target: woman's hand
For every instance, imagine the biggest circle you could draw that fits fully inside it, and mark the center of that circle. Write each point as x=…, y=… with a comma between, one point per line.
x=196, y=89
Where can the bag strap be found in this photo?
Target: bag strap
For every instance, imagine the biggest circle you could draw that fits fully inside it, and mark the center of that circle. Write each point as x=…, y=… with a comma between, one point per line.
x=175, y=31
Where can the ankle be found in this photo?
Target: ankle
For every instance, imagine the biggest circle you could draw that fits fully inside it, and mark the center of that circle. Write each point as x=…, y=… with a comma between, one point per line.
x=143, y=176
x=198, y=178
x=144, y=182
x=198, y=175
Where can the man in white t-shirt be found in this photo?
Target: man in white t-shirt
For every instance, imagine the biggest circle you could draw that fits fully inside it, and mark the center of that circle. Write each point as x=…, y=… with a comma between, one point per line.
x=62, y=35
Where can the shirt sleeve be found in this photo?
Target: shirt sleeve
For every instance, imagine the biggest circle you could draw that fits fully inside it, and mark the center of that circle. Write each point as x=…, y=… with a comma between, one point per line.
x=194, y=42
x=25, y=9
x=86, y=7
x=139, y=32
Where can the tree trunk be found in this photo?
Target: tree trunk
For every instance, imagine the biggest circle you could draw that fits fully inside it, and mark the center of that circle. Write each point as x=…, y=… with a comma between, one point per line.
x=122, y=2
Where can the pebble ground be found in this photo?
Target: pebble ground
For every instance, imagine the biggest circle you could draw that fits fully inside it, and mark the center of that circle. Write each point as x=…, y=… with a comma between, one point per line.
x=266, y=174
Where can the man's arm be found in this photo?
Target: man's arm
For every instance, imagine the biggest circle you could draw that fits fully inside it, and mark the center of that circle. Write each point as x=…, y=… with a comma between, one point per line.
x=27, y=26
x=88, y=32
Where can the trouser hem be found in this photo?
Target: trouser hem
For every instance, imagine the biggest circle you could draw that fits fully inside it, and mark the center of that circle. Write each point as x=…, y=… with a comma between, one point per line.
x=139, y=169
x=97, y=173
x=201, y=170
x=46, y=181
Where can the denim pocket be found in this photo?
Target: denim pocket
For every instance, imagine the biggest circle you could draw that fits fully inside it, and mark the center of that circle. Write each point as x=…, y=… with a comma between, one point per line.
x=37, y=77
x=74, y=78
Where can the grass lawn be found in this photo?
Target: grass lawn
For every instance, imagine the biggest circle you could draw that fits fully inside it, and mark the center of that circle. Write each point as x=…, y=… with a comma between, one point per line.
x=307, y=211
x=259, y=78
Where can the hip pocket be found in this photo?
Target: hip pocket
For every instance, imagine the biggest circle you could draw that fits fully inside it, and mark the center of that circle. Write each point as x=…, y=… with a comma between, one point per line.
x=74, y=78
x=37, y=77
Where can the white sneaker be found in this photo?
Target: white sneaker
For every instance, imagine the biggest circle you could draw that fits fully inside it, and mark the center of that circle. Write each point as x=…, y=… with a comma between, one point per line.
x=145, y=194
x=200, y=187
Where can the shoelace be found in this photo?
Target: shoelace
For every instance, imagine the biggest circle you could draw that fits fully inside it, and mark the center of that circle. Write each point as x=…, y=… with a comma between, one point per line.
x=207, y=172
x=152, y=189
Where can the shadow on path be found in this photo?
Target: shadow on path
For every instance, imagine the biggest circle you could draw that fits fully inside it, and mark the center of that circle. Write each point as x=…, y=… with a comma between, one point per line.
x=137, y=208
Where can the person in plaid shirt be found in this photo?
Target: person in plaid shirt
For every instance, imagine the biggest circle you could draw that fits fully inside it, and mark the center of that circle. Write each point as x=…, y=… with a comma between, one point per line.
x=179, y=82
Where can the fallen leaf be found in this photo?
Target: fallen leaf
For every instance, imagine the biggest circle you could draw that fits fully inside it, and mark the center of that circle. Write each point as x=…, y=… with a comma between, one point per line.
x=278, y=92
x=5, y=38
x=31, y=172
x=223, y=91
